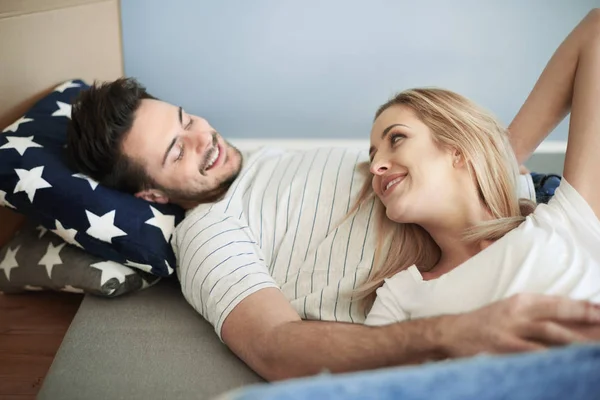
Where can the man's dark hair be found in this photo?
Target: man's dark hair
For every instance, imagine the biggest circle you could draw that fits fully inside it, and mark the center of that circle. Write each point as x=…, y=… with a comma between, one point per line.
x=101, y=118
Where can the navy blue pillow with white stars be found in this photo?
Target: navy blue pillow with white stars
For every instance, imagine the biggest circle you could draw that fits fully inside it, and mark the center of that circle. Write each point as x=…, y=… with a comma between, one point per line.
x=36, y=181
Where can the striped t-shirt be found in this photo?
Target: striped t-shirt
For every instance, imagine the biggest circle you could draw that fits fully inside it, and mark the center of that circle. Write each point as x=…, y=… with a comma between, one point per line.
x=282, y=225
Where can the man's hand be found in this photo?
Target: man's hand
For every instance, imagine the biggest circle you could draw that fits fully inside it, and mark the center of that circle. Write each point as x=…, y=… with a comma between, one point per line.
x=524, y=322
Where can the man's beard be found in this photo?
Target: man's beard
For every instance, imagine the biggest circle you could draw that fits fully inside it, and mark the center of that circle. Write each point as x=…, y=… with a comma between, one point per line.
x=209, y=196
x=178, y=196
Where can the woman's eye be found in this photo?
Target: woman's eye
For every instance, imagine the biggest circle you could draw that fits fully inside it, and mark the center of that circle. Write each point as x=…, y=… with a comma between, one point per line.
x=395, y=137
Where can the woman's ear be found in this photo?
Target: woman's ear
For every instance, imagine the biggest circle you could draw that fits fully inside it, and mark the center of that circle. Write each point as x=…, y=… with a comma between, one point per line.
x=457, y=159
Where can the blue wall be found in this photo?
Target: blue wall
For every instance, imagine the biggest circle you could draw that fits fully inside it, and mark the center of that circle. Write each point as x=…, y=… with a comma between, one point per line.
x=274, y=69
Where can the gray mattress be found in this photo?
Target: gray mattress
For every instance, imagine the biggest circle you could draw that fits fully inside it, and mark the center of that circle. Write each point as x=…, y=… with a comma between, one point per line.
x=147, y=345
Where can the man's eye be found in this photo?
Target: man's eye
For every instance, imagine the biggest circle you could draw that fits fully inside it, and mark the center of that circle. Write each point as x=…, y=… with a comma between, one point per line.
x=180, y=155
x=189, y=124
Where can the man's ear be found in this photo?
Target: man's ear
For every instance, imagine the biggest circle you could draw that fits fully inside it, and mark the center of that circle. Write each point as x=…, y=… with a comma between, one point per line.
x=153, y=196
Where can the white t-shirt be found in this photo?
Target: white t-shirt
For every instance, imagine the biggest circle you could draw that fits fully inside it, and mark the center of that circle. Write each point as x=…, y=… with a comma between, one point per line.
x=555, y=251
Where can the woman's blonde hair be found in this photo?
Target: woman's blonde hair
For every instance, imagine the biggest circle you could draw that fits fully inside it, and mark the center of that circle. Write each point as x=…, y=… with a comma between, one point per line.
x=459, y=124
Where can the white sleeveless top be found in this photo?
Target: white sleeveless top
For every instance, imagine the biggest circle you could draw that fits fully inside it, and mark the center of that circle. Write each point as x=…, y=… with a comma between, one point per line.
x=555, y=251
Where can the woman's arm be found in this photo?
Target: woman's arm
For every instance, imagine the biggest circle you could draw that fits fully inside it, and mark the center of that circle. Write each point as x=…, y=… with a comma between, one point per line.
x=550, y=100
x=582, y=162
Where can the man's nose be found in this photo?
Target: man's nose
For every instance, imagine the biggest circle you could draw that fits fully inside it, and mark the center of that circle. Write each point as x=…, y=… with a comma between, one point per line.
x=203, y=139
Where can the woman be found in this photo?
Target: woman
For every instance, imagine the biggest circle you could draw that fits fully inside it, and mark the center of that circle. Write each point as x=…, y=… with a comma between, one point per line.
x=445, y=173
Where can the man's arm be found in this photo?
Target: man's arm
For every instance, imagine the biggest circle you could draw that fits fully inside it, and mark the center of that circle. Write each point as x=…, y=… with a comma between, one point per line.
x=266, y=333
x=550, y=100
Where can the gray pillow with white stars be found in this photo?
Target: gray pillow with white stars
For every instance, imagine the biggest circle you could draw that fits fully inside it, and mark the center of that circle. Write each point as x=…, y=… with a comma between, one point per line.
x=35, y=259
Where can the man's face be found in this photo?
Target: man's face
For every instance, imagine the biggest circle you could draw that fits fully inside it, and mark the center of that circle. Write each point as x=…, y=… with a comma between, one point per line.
x=186, y=158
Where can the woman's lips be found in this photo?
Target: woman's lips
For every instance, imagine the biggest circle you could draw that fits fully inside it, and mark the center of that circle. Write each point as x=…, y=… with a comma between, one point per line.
x=390, y=182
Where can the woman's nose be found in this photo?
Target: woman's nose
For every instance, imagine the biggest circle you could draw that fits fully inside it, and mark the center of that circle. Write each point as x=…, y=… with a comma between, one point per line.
x=378, y=167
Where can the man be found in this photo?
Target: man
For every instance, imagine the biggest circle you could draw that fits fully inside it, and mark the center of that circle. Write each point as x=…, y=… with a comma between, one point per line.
x=267, y=252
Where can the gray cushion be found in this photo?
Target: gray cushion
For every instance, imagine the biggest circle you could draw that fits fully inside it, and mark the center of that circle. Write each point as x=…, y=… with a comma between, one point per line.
x=35, y=259
x=155, y=347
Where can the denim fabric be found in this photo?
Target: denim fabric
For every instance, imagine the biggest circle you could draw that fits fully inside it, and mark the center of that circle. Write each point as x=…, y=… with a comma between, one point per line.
x=569, y=373
x=545, y=185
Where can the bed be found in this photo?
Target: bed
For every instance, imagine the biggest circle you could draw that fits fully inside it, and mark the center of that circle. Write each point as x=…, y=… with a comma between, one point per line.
x=145, y=345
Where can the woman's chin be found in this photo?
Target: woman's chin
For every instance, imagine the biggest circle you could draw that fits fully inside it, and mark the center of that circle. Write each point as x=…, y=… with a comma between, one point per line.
x=396, y=214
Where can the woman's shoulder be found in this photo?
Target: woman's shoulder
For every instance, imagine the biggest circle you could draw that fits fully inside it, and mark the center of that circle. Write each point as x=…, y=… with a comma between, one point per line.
x=569, y=209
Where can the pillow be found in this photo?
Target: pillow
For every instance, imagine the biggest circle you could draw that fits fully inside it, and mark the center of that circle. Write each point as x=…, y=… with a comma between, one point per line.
x=37, y=260
x=36, y=181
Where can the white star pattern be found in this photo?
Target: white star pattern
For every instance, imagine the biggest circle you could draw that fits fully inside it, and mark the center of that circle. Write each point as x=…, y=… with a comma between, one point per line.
x=103, y=227
x=68, y=235
x=146, y=284
x=30, y=181
x=15, y=125
x=92, y=182
x=111, y=269
x=166, y=223
x=42, y=230
x=52, y=257
x=20, y=144
x=10, y=261
x=169, y=269
x=143, y=267
x=64, y=110
x=66, y=85
x=71, y=289
x=3, y=201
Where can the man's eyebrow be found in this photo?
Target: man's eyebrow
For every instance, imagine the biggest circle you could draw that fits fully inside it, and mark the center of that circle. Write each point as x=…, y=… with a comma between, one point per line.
x=180, y=116
x=372, y=149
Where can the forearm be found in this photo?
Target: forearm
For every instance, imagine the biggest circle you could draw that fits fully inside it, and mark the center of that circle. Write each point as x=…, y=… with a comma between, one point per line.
x=303, y=348
x=550, y=100
x=266, y=333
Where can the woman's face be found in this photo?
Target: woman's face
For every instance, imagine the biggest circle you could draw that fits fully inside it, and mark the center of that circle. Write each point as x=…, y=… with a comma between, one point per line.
x=415, y=178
